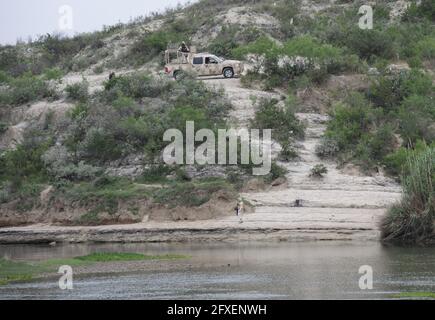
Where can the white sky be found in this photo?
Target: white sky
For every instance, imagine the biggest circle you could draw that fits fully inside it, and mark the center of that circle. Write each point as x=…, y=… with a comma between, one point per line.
x=24, y=18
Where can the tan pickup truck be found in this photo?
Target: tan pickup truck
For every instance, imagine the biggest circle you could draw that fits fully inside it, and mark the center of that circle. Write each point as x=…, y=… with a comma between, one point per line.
x=201, y=64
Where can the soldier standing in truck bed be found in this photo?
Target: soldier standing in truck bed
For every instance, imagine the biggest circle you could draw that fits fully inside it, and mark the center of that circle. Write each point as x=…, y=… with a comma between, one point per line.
x=184, y=49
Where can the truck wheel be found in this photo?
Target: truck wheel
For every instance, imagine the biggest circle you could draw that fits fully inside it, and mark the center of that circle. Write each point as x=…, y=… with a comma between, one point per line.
x=178, y=75
x=228, y=73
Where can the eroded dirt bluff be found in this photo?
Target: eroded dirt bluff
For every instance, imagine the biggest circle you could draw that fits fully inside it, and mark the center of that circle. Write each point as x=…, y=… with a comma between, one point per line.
x=345, y=205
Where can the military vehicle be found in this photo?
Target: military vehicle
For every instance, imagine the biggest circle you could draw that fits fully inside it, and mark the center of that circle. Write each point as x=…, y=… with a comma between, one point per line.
x=200, y=64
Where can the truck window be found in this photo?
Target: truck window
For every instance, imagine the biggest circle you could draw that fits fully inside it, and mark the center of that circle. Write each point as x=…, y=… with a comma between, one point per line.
x=198, y=60
x=210, y=60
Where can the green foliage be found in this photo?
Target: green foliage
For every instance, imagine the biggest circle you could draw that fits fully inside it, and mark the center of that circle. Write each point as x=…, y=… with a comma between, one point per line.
x=53, y=74
x=424, y=49
x=136, y=86
x=389, y=91
x=191, y=194
x=412, y=220
x=396, y=162
x=358, y=131
x=118, y=125
x=151, y=45
x=282, y=121
x=276, y=171
x=327, y=148
x=225, y=42
x=100, y=145
x=424, y=10
x=103, y=195
x=3, y=127
x=23, y=172
x=25, y=89
x=318, y=171
x=78, y=91
x=369, y=44
x=298, y=57
x=416, y=117
x=4, y=78
x=25, y=162
x=155, y=174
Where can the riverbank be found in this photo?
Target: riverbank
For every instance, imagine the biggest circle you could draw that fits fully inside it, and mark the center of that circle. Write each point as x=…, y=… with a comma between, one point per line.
x=225, y=230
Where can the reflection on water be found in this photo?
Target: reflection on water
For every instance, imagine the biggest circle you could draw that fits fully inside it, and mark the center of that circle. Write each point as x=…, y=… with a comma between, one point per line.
x=241, y=271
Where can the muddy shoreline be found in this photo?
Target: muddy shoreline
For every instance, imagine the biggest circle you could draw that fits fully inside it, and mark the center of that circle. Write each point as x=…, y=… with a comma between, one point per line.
x=141, y=234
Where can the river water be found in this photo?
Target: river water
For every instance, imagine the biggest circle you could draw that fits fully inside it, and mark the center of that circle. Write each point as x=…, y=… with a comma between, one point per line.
x=318, y=270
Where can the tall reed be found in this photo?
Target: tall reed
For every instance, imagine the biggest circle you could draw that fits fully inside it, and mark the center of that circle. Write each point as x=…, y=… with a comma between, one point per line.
x=412, y=219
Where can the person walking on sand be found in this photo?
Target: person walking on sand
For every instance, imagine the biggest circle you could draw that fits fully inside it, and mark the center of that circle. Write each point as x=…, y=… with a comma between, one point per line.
x=240, y=210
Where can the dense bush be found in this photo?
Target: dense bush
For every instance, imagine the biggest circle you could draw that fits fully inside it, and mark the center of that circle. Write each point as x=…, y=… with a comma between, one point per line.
x=22, y=170
x=412, y=220
x=3, y=127
x=136, y=85
x=119, y=123
x=390, y=90
x=281, y=120
x=318, y=171
x=78, y=91
x=150, y=46
x=369, y=44
x=357, y=131
x=417, y=119
x=53, y=74
x=297, y=57
x=425, y=9
x=26, y=89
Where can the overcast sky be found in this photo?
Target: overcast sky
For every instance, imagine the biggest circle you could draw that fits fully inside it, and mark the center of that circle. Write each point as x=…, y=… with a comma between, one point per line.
x=24, y=18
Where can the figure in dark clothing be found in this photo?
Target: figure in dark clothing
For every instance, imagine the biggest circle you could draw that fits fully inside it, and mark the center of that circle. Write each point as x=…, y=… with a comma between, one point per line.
x=184, y=49
x=112, y=75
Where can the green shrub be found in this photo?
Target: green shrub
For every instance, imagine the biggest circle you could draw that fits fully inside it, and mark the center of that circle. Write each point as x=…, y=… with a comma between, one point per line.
x=319, y=170
x=53, y=74
x=137, y=85
x=412, y=220
x=155, y=173
x=391, y=90
x=25, y=162
x=4, y=78
x=224, y=44
x=416, y=119
x=287, y=153
x=376, y=144
x=282, y=121
x=276, y=171
x=78, y=91
x=98, y=69
x=396, y=161
x=369, y=44
x=150, y=46
x=425, y=9
x=358, y=132
x=3, y=127
x=303, y=55
x=327, y=148
x=100, y=146
x=192, y=194
x=26, y=89
x=349, y=122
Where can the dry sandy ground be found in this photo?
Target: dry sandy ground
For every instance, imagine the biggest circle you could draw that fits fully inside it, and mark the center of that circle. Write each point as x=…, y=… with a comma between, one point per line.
x=345, y=205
